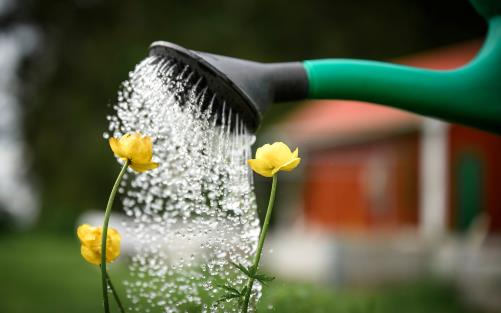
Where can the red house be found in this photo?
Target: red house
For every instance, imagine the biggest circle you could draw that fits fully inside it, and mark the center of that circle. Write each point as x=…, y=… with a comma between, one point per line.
x=372, y=167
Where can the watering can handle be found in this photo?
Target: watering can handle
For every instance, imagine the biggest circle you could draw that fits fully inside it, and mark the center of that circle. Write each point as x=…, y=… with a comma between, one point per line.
x=469, y=95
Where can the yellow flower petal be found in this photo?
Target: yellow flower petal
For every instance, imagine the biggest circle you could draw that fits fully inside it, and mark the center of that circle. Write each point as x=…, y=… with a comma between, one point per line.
x=90, y=255
x=261, y=167
x=143, y=167
x=112, y=245
x=136, y=148
x=90, y=239
x=278, y=154
x=273, y=158
x=129, y=144
x=86, y=233
x=291, y=165
x=115, y=146
x=261, y=151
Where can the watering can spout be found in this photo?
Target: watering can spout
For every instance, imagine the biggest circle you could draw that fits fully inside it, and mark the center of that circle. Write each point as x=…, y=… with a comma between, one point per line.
x=469, y=95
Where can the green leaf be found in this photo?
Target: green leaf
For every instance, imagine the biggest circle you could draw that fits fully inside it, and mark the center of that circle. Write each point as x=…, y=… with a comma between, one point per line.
x=264, y=279
x=229, y=288
x=243, y=269
x=241, y=301
x=228, y=296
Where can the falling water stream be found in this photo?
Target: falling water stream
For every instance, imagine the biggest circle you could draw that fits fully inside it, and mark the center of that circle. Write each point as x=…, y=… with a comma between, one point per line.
x=196, y=213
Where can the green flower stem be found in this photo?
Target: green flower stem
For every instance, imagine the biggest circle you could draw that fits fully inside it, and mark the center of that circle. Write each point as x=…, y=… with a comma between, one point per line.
x=115, y=293
x=262, y=237
x=107, y=215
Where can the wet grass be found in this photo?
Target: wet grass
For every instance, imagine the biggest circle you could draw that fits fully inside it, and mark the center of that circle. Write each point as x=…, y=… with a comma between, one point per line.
x=43, y=273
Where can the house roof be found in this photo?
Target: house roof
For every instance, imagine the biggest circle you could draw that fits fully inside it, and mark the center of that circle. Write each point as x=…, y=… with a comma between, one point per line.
x=332, y=120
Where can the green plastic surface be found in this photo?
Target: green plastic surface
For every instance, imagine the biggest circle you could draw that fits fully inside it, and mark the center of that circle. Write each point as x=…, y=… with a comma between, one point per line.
x=469, y=95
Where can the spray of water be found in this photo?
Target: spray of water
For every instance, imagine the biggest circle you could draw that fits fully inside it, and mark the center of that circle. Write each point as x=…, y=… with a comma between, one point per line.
x=196, y=213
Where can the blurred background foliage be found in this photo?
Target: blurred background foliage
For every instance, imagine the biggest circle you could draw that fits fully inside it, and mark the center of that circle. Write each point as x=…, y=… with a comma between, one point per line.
x=89, y=46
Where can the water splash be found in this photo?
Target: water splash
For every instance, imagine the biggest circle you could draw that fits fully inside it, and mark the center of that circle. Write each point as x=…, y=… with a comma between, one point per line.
x=196, y=212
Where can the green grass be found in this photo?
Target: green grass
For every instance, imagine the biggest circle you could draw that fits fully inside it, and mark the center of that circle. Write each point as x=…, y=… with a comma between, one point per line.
x=45, y=274
x=418, y=297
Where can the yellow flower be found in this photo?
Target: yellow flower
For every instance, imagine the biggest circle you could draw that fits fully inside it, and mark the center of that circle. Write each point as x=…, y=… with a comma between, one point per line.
x=90, y=238
x=135, y=148
x=273, y=158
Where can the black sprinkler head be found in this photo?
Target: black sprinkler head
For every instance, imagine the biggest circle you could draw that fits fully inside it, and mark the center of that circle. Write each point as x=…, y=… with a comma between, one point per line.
x=247, y=87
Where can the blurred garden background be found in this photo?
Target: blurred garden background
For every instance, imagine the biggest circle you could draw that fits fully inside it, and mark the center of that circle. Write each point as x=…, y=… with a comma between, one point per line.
x=390, y=212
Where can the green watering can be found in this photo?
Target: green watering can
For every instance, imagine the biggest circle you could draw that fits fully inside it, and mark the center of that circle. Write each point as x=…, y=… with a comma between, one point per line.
x=470, y=95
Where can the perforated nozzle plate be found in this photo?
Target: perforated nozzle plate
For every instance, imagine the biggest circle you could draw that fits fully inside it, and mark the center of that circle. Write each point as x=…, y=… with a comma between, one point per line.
x=226, y=91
